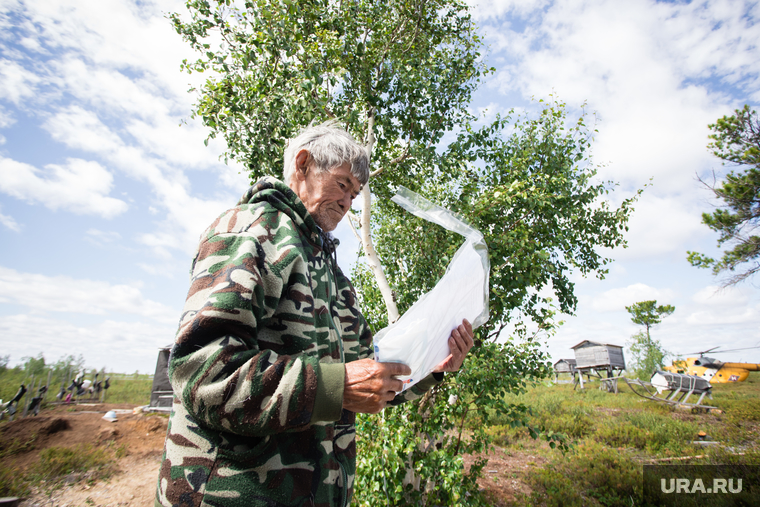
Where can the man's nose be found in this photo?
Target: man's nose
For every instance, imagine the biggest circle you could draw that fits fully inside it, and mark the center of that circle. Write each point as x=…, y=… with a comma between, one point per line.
x=345, y=202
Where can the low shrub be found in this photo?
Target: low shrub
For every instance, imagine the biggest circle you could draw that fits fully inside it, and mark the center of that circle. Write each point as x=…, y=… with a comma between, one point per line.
x=741, y=411
x=590, y=475
x=592, y=395
x=549, y=403
x=622, y=435
x=504, y=435
x=574, y=421
x=647, y=431
x=720, y=455
x=554, y=412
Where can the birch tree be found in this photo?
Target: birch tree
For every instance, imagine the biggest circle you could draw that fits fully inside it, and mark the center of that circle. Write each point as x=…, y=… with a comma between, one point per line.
x=399, y=75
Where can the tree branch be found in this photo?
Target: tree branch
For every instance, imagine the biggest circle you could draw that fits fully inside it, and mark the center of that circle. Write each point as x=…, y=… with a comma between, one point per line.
x=351, y=219
x=405, y=155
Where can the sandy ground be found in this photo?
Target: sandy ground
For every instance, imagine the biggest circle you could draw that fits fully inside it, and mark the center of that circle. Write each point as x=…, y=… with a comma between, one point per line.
x=503, y=475
x=142, y=435
x=132, y=484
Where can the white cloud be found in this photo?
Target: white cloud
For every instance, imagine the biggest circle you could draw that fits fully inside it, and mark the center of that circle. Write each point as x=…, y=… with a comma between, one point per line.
x=180, y=145
x=641, y=66
x=486, y=9
x=6, y=118
x=649, y=70
x=487, y=114
x=108, y=89
x=187, y=215
x=16, y=82
x=110, y=93
x=662, y=226
x=712, y=317
x=79, y=296
x=81, y=129
x=715, y=306
x=160, y=243
x=119, y=346
x=100, y=44
x=166, y=269
x=80, y=186
x=614, y=300
x=101, y=238
x=714, y=295
x=10, y=223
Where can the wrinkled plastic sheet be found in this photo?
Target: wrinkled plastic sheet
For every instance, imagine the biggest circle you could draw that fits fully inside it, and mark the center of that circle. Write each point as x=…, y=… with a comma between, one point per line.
x=420, y=338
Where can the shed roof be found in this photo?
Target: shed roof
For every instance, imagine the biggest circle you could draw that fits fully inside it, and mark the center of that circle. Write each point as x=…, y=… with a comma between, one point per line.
x=568, y=361
x=584, y=342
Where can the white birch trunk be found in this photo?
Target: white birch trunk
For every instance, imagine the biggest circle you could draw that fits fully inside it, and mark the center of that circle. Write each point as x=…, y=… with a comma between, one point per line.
x=372, y=259
x=369, y=250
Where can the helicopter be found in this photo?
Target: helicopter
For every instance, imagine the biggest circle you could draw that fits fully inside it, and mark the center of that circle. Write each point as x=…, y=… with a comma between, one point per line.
x=714, y=370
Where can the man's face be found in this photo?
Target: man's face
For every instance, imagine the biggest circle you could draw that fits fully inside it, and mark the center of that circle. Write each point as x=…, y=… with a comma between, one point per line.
x=328, y=195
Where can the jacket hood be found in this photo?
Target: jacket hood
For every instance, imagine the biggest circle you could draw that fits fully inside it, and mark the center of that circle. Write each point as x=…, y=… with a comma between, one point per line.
x=283, y=198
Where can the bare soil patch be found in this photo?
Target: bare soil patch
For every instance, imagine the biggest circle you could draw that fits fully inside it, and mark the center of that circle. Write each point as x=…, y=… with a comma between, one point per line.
x=504, y=476
x=133, y=484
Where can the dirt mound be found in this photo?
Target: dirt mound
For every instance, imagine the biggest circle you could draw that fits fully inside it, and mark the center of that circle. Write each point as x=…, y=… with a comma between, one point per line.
x=140, y=435
x=29, y=430
x=72, y=425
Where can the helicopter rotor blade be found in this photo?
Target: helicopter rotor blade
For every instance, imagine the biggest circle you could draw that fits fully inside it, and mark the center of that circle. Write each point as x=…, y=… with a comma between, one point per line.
x=713, y=351
x=704, y=351
x=736, y=350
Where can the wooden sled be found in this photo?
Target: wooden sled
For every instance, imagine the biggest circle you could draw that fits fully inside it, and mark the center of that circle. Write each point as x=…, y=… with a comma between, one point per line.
x=673, y=389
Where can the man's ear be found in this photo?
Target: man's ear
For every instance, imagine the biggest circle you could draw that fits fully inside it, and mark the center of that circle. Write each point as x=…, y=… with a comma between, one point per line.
x=302, y=163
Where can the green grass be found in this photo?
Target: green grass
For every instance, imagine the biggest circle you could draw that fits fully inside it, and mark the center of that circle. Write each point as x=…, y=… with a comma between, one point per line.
x=13, y=481
x=56, y=463
x=16, y=446
x=135, y=391
x=83, y=462
x=611, y=437
x=79, y=463
x=131, y=389
x=590, y=475
x=648, y=431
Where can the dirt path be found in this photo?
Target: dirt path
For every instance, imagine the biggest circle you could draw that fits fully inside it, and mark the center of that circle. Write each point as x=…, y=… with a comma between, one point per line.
x=133, y=485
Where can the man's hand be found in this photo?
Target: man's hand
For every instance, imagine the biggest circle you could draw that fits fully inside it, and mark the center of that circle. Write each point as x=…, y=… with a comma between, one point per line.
x=460, y=343
x=371, y=385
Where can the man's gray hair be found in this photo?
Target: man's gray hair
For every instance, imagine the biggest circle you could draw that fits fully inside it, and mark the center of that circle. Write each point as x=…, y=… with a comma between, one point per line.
x=329, y=146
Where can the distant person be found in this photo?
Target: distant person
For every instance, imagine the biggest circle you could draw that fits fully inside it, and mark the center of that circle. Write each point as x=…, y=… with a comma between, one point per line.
x=273, y=358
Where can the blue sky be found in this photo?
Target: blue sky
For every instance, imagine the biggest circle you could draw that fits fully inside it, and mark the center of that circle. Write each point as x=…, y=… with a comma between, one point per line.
x=105, y=183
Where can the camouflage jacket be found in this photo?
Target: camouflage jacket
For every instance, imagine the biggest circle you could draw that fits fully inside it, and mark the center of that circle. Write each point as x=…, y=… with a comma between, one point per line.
x=258, y=366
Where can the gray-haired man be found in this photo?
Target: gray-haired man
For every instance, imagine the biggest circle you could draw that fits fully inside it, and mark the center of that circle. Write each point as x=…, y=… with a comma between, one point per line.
x=272, y=358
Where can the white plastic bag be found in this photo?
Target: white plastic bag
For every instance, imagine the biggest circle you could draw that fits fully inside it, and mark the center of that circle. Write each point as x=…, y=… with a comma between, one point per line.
x=420, y=337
